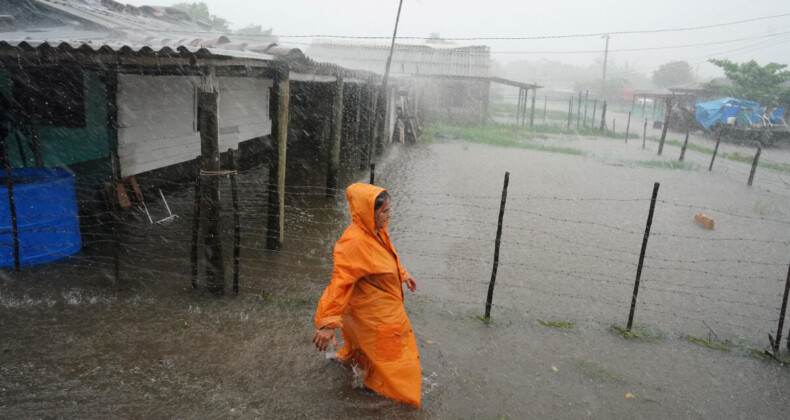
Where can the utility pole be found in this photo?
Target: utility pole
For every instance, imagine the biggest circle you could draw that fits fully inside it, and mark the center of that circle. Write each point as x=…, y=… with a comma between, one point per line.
x=605, y=57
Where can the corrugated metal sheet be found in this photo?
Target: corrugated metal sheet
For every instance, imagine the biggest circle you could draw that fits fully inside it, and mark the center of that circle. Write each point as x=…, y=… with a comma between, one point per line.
x=105, y=26
x=407, y=59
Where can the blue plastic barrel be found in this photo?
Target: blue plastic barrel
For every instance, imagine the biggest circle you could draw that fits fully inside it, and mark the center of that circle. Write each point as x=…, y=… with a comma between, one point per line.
x=46, y=213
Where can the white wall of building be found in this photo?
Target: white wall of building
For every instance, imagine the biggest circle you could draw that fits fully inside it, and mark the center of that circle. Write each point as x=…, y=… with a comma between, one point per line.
x=157, y=118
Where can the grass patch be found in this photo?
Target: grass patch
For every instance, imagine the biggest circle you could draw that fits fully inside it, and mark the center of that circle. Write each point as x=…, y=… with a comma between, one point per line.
x=635, y=333
x=498, y=135
x=670, y=164
x=596, y=371
x=484, y=319
x=563, y=325
x=706, y=343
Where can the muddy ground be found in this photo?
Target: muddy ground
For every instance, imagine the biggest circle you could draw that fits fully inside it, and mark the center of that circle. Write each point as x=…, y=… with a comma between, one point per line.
x=77, y=342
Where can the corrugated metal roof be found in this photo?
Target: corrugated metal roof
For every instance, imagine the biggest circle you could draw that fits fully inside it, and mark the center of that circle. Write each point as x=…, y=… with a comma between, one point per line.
x=407, y=59
x=110, y=27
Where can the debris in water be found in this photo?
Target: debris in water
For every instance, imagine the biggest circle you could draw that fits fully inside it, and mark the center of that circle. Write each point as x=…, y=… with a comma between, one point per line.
x=704, y=221
x=629, y=395
x=554, y=368
x=429, y=342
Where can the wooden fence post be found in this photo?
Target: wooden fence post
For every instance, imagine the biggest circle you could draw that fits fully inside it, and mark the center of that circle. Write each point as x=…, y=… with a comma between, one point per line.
x=754, y=163
x=532, y=111
x=642, y=256
x=496, y=247
x=275, y=217
x=570, y=112
x=196, y=225
x=715, y=150
x=603, y=117
x=627, y=126
x=685, y=144
x=644, y=134
x=233, y=157
x=208, y=103
x=666, y=126
x=775, y=344
x=579, y=110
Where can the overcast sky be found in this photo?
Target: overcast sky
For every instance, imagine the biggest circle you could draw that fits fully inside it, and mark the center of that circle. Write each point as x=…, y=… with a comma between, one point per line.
x=765, y=40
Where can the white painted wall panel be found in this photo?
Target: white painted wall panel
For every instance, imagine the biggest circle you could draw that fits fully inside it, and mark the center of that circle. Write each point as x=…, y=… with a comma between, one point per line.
x=157, y=118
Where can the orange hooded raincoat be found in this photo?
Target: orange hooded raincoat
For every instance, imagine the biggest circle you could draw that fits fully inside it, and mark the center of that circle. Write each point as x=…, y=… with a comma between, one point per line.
x=365, y=299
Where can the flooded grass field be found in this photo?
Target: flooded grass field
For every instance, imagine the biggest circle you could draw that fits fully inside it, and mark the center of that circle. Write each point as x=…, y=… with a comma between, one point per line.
x=77, y=342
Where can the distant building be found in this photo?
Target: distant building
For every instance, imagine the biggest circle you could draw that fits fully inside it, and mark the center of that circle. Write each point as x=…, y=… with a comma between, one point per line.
x=448, y=82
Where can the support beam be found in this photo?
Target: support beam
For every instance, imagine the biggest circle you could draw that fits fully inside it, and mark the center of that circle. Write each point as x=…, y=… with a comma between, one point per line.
x=275, y=221
x=333, y=163
x=208, y=108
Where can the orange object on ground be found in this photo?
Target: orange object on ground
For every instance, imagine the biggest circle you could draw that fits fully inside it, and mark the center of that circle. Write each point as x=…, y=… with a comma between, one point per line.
x=365, y=299
x=704, y=220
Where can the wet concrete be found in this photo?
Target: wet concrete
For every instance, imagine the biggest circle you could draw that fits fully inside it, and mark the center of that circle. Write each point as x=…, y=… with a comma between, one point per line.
x=77, y=342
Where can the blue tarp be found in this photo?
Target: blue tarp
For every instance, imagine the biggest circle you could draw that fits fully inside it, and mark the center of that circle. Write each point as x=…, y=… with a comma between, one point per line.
x=712, y=112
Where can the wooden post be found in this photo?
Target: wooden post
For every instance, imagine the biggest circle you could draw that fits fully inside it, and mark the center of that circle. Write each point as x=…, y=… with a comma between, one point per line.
x=9, y=182
x=627, y=126
x=579, y=110
x=570, y=112
x=275, y=220
x=233, y=157
x=595, y=108
x=782, y=313
x=518, y=106
x=666, y=125
x=334, y=151
x=603, y=117
x=685, y=144
x=754, y=163
x=545, y=100
x=614, y=134
x=196, y=226
x=642, y=256
x=532, y=111
x=111, y=92
x=644, y=134
x=208, y=104
x=496, y=247
x=584, y=120
x=366, y=126
x=715, y=149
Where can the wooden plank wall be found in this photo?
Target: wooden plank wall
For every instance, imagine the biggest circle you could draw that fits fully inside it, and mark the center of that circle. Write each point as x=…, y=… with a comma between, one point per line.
x=157, y=118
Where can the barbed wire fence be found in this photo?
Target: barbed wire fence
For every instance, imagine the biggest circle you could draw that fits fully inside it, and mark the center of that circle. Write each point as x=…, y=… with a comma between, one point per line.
x=561, y=257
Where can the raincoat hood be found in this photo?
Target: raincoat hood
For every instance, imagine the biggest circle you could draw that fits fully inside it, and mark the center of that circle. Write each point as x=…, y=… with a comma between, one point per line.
x=361, y=204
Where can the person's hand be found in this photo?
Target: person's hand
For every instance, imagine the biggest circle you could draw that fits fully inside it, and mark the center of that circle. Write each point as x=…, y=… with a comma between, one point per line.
x=322, y=337
x=411, y=284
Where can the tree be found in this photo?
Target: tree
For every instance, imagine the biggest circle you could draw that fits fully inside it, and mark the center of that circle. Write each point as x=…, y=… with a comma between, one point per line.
x=674, y=73
x=199, y=11
x=255, y=33
x=753, y=82
x=435, y=38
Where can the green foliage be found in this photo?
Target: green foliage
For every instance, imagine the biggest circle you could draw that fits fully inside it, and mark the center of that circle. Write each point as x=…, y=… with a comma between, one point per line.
x=674, y=73
x=498, y=135
x=256, y=33
x=594, y=370
x=199, y=11
x=666, y=164
x=753, y=82
x=637, y=333
x=706, y=343
x=563, y=325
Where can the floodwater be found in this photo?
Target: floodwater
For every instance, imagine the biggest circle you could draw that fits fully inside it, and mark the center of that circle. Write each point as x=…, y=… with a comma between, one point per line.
x=79, y=342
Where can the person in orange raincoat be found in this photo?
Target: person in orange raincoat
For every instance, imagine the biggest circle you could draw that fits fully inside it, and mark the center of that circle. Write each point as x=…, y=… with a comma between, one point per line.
x=365, y=299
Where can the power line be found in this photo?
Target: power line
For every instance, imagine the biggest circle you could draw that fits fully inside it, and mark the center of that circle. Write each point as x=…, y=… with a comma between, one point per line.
x=596, y=34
